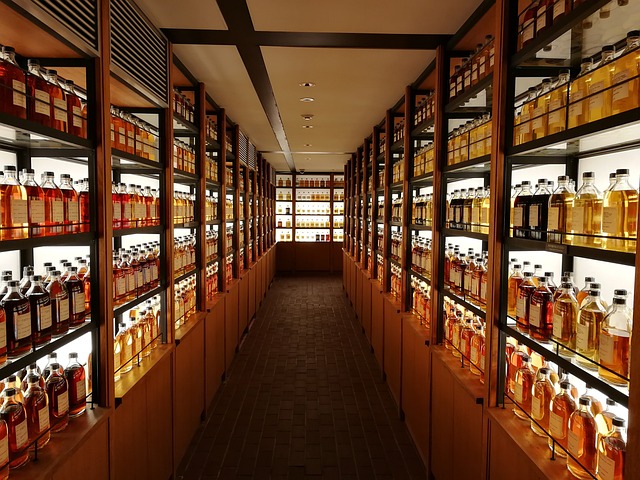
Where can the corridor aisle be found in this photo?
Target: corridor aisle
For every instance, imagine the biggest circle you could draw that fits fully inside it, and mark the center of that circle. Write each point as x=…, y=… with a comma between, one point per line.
x=304, y=398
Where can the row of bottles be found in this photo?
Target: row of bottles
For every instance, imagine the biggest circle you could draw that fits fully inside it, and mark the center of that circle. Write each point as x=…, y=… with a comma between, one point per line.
x=184, y=156
x=379, y=267
x=229, y=176
x=425, y=109
x=136, y=337
x=422, y=210
x=41, y=307
x=338, y=195
x=338, y=222
x=421, y=255
x=593, y=435
x=211, y=128
x=134, y=206
x=284, y=182
x=229, y=213
x=465, y=337
x=211, y=167
x=183, y=207
x=284, y=195
x=587, y=217
x=397, y=170
x=41, y=96
x=135, y=272
x=423, y=160
x=421, y=301
x=466, y=275
x=183, y=106
x=396, y=281
x=312, y=222
x=470, y=141
x=605, y=86
x=134, y=136
x=313, y=209
x=185, y=301
x=468, y=209
x=396, y=246
x=338, y=235
x=184, y=255
x=211, y=245
x=284, y=236
x=398, y=131
x=597, y=336
x=36, y=404
x=285, y=224
x=312, y=182
x=212, y=280
x=396, y=209
x=313, y=236
x=211, y=207
x=229, y=269
x=311, y=196
x=473, y=68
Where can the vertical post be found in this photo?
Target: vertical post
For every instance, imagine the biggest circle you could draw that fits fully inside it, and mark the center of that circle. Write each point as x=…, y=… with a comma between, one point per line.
x=388, y=125
x=201, y=186
x=405, y=295
x=222, y=200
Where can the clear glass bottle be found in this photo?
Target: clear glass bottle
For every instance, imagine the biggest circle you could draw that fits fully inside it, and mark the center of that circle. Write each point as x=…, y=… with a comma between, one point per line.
x=578, y=91
x=36, y=405
x=612, y=452
x=589, y=325
x=84, y=221
x=127, y=349
x=59, y=297
x=587, y=213
x=600, y=94
x=615, y=343
x=542, y=393
x=559, y=225
x=582, y=437
x=522, y=387
x=541, y=109
x=4, y=450
x=53, y=205
x=584, y=292
x=565, y=317
x=527, y=28
x=539, y=211
x=40, y=303
x=604, y=419
x=562, y=406
x=59, y=115
x=14, y=218
x=476, y=358
x=625, y=79
x=515, y=279
x=58, y=393
x=13, y=413
x=619, y=214
x=556, y=119
x=75, y=375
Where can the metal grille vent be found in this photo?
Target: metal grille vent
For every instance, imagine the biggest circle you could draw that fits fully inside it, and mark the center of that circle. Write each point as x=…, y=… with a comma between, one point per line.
x=253, y=156
x=242, y=150
x=80, y=16
x=138, y=48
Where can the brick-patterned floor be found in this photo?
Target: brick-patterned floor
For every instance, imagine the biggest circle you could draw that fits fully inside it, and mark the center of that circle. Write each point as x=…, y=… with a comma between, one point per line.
x=304, y=398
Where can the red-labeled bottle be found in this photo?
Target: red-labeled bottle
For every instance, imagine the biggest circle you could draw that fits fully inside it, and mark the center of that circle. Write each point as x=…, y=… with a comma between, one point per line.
x=18, y=311
x=13, y=413
x=76, y=380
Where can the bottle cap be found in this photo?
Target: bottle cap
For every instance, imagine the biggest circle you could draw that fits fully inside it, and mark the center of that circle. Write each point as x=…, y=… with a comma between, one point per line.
x=620, y=292
x=53, y=355
x=544, y=371
x=526, y=183
x=620, y=171
x=13, y=283
x=610, y=402
x=608, y=48
x=548, y=274
x=7, y=49
x=565, y=385
x=586, y=175
x=586, y=401
x=65, y=175
x=632, y=33
x=9, y=168
x=528, y=274
x=563, y=178
x=542, y=180
x=526, y=358
x=595, y=286
x=595, y=293
x=618, y=422
x=37, y=278
x=73, y=355
x=517, y=265
x=55, y=273
x=537, y=266
x=10, y=392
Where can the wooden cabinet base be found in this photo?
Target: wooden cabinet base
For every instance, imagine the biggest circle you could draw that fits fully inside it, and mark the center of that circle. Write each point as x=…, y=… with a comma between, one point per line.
x=393, y=348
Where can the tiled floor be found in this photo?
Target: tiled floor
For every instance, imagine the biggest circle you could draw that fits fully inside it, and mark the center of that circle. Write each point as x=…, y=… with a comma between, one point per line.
x=304, y=398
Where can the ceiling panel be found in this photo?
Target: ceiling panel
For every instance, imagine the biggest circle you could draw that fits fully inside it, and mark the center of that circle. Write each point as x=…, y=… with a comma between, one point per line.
x=361, y=16
x=183, y=14
x=320, y=163
x=352, y=92
x=221, y=69
x=277, y=161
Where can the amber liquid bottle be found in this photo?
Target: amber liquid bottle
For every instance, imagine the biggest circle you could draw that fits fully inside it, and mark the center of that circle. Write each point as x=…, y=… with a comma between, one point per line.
x=587, y=213
x=85, y=207
x=58, y=392
x=35, y=204
x=36, y=405
x=541, y=311
x=18, y=312
x=600, y=93
x=522, y=386
x=76, y=121
x=521, y=211
x=612, y=452
x=71, y=205
x=615, y=343
x=38, y=87
x=559, y=225
x=75, y=287
x=3, y=335
x=59, y=115
x=13, y=413
x=541, y=395
x=59, y=296
x=127, y=210
x=75, y=375
x=4, y=450
x=565, y=318
x=515, y=279
x=40, y=303
x=539, y=211
x=589, y=324
x=13, y=85
x=129, y=276
x=116, y=208
x=562, y=406
x=582, y=436
x=127, y=349
x=525, y=289
x=53, y=205
x=14, y=218
x=578, y=91
x=119, y=282
x=620, y=213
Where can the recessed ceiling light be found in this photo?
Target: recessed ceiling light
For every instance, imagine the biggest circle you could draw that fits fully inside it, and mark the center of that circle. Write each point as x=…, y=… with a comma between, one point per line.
x=307, y=126
x=307, y=84
x=307, y=99
x=307, y=116
x=308, y=145
x=307, y=158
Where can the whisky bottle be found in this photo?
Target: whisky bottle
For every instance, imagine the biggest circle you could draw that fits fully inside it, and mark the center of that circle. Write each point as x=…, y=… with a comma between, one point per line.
x=457, y=326
x=18, y=313
x=515, y=279
x=521, y=211
x=53, y=205
x=40, y=106
x=589, y=325
x=476, y=359
x=466, y=333
x=525, y=289
x=4, y=450
x=565, y=317
x=13, y=82
x=35, y=204
x=619, y=214
x=14, y=218
x=625, y=79
x=559, y=225
x=600, y=95
x=58, y=393
x=582, y=436
x=527, y=27
x=522, y=386
x=76, y=119
x=129, y=277
x=127, y=349
x=126, y=217
x=541, y=108
x=541, y=395
x=539, y=211
x=614, y=346
x=596, y=404
x=40, y=303
x=84, y=221
x=562, y=406
x=59, y=297
x=476, y=209
x=578, y=91
x=612, y=452
x=13, y=413
x=541, y=311
x=604, y=419
x=36, y=405
x=584, y=292
x=586, y=216
x=556, y=119
x=75, y=375
x=515, y=356
x=75, y=287
x=71, y=204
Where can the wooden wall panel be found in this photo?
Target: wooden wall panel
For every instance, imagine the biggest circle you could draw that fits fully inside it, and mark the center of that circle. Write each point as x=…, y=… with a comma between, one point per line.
x=312, y=257
x=347, y=285
x=159, y=409
x=366, y=305
x=443, y=450
x=467, y=434
x=252, y=293
x=393, y=349
x=231, y=316
x=344, y=269
x=90, y=460
x=243, y=304
x=409, y=387
x=357, y=287
x=189, y=394
x=285, y=257
x=377, y=324
x=420, y=422
x=214, y=350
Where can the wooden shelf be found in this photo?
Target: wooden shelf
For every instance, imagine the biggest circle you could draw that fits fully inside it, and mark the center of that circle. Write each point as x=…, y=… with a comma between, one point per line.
x=132, y=378
x=469, y=381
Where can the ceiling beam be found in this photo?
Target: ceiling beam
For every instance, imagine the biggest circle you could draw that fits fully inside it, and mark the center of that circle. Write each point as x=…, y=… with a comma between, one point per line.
x=385, y=41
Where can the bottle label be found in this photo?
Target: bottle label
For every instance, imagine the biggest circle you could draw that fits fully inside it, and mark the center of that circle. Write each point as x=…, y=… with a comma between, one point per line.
x=4, y=450
x=77, y=117
x=474, y=355
x=42, y=103
x=521, y=308
x=558, y=9
x=533, y=216
x=63, y=305
x=475, y=216
x=606, y=349
x=606, y=467
x=517, y=392
x=21, y=324
x=117, y=210
x=538, y=117
x=81, y=390
x=536, y=408
x=44, y=316
x=60, y=109
x=541, y=21
x=22, y=435
x=78, y=302
x=36, y=210
x=131, y=281
x=577, y=219
x=121, y=285
x=139, y=279
x=19, y=211
x=73, y=212
x=481, y=67
x=556, y=426
x=534, y=315
x=128, y=353
x=553, y=221
x=610, y=220
x=574, y=443
x=575, y=109
x=3, y=334
x=19, y=90
x=518, y=213
x=43, y=419
x=154, y=272
x=527, y=30
x=63, y=403
x=116, y=361
x=621, y=91
x=557, y=326
x=582, y=337
x=57, y=210
x=463, y=345
x=483, y=289
x=126, y=211
x=474, y=286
